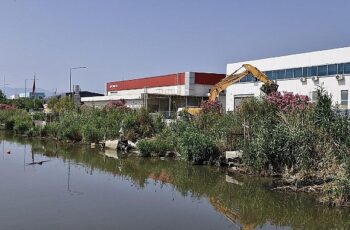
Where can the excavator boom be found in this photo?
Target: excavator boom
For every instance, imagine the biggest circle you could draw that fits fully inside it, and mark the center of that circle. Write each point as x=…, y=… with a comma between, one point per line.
x=268, y=86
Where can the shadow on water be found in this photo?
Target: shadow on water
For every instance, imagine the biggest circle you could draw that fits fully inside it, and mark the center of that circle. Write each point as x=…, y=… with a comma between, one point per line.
x=244, y=201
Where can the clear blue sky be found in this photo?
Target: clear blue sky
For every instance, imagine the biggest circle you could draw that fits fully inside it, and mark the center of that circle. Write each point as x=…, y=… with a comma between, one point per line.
x=134, y=38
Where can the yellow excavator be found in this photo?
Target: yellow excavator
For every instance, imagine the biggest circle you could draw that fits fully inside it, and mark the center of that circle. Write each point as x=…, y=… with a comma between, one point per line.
x=268, y=87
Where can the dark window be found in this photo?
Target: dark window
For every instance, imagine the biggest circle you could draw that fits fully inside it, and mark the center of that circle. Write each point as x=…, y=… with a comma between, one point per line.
x=269, y=74
x=322, y=70
x=332, y=69
x=305, y=72
x=312, y=71
x=344, y=95
x=289, y=73
x=298, y=72
x=281, y=74
x=274, y=75
x=340, y=68
x=347, y=68
x=249, y=78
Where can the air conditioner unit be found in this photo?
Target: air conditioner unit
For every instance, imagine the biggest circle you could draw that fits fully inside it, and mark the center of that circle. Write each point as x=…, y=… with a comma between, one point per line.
x=303, y=79
x=315, y=78
x=339, y=77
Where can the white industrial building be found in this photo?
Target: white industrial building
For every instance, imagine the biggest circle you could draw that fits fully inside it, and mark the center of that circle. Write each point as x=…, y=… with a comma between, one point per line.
x=298, y=73
x=165, y=93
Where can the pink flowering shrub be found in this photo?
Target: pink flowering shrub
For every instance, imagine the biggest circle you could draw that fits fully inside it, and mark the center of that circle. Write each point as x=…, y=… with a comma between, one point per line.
x=116, y=104
x=210, y=106
x=288, y=102
x=7, y=107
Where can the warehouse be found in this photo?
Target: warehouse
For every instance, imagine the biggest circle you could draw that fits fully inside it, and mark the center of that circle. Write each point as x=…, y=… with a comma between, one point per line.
x=164, y=94
x=298, y=73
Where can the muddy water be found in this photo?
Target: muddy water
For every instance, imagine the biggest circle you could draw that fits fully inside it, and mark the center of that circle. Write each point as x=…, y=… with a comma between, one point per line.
x=79, y=188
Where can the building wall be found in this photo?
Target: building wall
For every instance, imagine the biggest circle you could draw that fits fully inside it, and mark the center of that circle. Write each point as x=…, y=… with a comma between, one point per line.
x=187, y=88
x=339, y=55
x=295, y=85
x=208, y=78
x=136, y=93
x=188, y=83
x=131, y=103
x=331, y=84
x=148, y=82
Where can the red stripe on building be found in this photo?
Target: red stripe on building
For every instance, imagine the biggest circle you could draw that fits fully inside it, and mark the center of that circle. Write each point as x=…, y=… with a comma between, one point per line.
x=208, y=78
x=158, y=81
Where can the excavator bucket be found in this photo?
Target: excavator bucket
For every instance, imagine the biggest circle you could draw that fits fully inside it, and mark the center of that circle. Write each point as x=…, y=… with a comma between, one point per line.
x=269, y=88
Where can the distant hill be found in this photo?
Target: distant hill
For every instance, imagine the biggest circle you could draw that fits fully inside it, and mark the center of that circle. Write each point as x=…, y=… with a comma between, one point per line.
x=11, y=91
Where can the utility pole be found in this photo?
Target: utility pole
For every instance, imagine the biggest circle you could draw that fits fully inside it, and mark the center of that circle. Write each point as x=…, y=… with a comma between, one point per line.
x=70, y=78
x=4, y=86
x=34, y=92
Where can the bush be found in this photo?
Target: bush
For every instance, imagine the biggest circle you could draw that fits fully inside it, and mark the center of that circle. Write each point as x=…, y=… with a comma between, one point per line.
x=210, y=106
x=138, y=125
x=197, y=147
x=153, y=147
x=16, y=120
x=38, y=116
x=116, y=104
x=91, y=133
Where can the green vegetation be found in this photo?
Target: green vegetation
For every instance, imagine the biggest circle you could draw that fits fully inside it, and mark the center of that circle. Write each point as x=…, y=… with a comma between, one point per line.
x=309, y=143
x=284, y=134
x=81, y=123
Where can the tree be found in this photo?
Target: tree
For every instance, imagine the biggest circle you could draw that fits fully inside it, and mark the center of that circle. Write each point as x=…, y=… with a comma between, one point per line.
x=3, y=99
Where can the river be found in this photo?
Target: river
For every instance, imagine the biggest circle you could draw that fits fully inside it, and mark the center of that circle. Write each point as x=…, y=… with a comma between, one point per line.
x=76, y=187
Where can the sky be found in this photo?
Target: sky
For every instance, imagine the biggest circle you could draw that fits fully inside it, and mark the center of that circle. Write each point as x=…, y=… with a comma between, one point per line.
x=124, y=39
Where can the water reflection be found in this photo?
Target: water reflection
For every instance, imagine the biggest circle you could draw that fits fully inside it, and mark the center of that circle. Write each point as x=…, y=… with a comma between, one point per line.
x=244, y=202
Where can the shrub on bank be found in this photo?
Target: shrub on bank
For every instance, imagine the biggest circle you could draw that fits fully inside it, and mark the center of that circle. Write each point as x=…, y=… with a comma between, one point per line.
x=153, y=147
x=16, y=120
x=138, y=124
x=197, y=147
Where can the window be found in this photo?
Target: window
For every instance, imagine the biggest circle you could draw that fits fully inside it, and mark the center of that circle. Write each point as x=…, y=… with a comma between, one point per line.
x=298, y=72
x=249, y=78
x=305, y=71
x=274, y=75
x=281, y=74
x=347, y=68
x=340, y=68
x=322, y=70
x=344, y=95
x=312, y=71
x=269, y=74
x=332, y=69
x=289, y=73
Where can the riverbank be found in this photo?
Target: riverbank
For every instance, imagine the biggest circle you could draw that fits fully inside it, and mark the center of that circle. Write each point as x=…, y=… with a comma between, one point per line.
x=281, y=134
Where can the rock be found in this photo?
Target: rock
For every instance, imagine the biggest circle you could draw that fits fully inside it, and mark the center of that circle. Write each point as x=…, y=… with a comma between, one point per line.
x=132, y=144
x=111, y=144
x=233, y=154
x=170, y=154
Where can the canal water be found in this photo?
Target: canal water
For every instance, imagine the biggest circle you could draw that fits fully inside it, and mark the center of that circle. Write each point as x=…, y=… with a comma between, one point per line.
x=45, y=185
